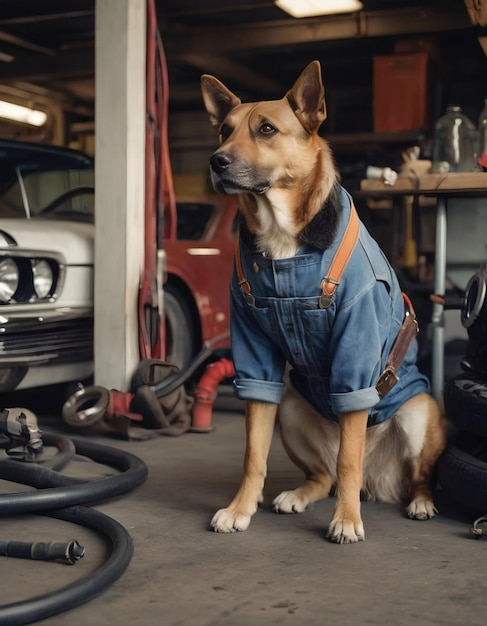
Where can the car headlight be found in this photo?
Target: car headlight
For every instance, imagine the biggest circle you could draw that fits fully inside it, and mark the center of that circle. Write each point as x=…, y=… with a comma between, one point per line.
x=43, y=278
x=9, y=279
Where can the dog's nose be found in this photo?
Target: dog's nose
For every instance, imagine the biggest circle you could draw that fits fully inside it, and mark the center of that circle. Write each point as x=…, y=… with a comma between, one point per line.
x=220, y=161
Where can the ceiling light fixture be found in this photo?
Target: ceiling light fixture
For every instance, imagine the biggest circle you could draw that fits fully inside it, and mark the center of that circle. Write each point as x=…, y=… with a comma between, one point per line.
x=18, y=113
x=311, y=8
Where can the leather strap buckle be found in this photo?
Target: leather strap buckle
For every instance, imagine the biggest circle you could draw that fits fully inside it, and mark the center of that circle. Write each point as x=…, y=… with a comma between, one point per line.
x=386, y=382
x=404, y=339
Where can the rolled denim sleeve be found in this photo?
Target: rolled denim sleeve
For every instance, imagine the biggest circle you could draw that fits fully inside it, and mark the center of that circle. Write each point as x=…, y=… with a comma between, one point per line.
x=262, y=390
x=354, y=400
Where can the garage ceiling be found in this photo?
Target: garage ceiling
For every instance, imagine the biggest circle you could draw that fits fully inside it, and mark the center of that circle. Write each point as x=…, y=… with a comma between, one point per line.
x=47, y=51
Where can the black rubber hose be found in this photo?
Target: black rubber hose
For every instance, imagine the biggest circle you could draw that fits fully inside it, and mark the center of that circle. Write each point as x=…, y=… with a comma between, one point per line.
x=56, y=491
x=66, y=451
x=175, y=380
x=85, y=589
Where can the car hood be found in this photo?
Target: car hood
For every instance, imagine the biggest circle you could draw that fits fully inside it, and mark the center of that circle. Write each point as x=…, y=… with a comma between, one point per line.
x=73, y=240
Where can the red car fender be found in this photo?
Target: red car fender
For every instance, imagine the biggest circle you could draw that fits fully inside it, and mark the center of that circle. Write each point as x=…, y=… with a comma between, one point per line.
x=207, y=277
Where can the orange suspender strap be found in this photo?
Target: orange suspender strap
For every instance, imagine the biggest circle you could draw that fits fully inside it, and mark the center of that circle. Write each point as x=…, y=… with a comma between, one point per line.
x=242, y=281
x=330, y=283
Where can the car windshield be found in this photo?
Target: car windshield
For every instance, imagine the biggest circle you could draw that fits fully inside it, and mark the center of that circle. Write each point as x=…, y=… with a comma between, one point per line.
x=193, y=219
x=44, y=182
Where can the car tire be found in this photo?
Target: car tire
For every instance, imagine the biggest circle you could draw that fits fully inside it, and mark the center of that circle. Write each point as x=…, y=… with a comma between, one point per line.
x=179, y=329
x=465, y=399
x=462, y=471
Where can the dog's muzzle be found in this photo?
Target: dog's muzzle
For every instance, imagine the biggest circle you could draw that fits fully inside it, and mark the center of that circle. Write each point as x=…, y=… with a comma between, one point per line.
x=220, y=161
x=233, y=176
x=221, y=177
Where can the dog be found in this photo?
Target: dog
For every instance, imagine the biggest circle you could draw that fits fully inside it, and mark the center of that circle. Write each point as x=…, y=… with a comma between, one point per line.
x=309, y=349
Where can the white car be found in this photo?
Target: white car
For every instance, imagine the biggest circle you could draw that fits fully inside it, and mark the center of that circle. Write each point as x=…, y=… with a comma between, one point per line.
x=46, y=265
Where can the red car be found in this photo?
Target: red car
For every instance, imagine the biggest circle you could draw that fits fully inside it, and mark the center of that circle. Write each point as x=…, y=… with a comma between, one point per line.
x=199, y=265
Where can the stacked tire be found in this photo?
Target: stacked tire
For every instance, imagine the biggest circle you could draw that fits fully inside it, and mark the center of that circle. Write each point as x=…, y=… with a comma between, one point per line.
x=462, y=469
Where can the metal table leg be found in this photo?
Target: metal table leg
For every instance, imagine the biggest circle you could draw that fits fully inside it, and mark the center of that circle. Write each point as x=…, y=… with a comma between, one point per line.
x=438, y=322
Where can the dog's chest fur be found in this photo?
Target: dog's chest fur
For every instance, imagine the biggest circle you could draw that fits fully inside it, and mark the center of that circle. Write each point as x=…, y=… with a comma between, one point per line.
x=320, y=232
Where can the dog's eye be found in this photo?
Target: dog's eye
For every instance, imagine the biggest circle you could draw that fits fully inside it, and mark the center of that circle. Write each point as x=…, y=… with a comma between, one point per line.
x=267, y=129
x=225, y=132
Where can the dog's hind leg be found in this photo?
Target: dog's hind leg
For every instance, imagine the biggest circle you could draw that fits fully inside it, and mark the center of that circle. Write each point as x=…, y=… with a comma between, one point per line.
x=316, y=487
x=311, y=442
x=425, y=428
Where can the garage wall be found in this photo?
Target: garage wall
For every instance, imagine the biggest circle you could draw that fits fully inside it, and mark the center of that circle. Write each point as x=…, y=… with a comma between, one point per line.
x=192, y=139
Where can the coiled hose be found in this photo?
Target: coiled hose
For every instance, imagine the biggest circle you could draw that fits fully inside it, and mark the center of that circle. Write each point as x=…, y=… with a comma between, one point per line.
x=59, y=497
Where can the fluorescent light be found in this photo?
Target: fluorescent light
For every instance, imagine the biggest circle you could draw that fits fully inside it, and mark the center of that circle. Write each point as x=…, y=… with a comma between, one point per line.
x=18, y=113
x=310, y=8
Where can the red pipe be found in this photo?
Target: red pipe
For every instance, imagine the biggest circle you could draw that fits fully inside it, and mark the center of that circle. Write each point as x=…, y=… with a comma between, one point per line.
x=160, y=200
x=206, y=392
x=119, y=406
x=118, y=414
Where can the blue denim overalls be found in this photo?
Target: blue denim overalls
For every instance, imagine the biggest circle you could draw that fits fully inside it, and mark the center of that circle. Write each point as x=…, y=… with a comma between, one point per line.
x=336, y=354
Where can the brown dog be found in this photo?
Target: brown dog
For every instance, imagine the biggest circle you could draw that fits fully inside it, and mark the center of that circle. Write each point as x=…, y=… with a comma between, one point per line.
x=334, y=334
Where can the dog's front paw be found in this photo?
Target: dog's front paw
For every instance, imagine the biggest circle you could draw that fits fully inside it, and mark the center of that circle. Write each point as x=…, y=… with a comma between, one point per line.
x=345, y=531
x=289, y=502
x=421, y=509
x=230, y=520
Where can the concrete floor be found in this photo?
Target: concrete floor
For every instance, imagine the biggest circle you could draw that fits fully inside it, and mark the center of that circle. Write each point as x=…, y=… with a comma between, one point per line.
x=281, y=571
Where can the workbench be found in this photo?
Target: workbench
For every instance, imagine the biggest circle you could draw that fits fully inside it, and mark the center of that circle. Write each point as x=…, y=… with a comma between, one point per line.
x=442, y=187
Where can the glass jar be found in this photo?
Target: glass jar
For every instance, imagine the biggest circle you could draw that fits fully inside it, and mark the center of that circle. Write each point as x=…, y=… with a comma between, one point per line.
x=455, y=141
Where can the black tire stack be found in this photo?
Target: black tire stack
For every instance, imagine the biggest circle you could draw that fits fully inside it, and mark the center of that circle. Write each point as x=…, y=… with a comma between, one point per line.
x=462, y=469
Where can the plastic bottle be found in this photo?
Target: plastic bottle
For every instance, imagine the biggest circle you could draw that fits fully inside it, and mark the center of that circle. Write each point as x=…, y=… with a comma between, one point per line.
x=483, y=137
x=455, y=141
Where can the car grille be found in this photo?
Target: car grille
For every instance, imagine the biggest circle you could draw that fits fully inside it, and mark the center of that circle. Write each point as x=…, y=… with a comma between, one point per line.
x=67, y=342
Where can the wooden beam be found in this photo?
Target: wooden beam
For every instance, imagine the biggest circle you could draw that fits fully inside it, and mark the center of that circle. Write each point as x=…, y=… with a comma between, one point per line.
x=225, y=68
x=33, y=67
x=267, y=35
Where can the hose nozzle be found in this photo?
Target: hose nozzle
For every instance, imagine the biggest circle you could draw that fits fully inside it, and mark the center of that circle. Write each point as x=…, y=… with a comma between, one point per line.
x=67, y=553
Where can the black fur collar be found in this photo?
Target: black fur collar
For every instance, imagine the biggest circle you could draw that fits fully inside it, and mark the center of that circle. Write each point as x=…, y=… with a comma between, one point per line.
x=320, y=232
x=323, y=228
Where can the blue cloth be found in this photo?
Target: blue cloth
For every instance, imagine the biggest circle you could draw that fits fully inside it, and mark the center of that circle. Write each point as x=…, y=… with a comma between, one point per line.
x=336, y=354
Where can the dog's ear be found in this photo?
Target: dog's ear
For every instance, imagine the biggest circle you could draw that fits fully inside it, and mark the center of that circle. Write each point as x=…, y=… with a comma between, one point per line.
x=219, y=100
x=307, y=98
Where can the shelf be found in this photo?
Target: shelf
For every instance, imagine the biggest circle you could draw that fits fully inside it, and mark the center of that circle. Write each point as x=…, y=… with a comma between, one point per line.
x=455, y=183
x=368, y=141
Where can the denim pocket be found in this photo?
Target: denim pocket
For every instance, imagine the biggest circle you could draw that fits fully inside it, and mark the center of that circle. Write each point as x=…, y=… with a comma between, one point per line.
x=264, y=317
x=317, y=327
